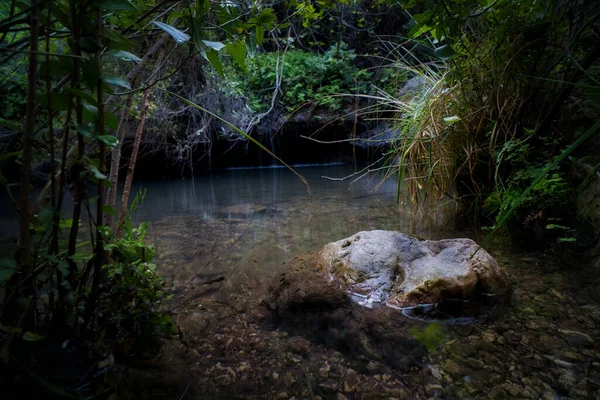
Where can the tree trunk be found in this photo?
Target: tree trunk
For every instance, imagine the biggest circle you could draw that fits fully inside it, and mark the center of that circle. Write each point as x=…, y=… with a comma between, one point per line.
x=136, y=143
x=115, y=162
x=24, y=256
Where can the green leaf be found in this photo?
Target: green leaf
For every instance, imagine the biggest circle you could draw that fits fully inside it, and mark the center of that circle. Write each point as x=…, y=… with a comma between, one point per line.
x=124, y=5
x=79, y=257
x=237, y=50
x=451, y=120
x=108, y=210
x=213, y=57
x=58, y=101
x=176, y=34
x=14, y=125
x=114, y=40
x=45, y=216
x=85, y=130
x=214, y=45
x=105, y=231
x=567, y=240
x=32, y=337
x=283, y=26
x=266, y=16
x=61, y=265
x=58, y=66
x=115, y=80
x=89, y=73
x=444, y=52
x=97, y=173
x=124, y=55
x=555, y=226
x=109, y=140
x=89, y=44
x=90, y=113
x=111, y=120
x=11, y=329
x=260, y=34
x=83, y=95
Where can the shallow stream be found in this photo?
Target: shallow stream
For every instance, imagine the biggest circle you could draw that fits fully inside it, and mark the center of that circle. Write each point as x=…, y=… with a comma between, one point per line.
x=223, y=240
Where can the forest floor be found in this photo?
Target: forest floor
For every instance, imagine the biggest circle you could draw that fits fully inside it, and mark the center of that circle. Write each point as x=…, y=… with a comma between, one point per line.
x=540, y=343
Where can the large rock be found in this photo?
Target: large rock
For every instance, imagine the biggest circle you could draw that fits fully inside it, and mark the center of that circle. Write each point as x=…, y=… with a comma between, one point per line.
x=399, y=270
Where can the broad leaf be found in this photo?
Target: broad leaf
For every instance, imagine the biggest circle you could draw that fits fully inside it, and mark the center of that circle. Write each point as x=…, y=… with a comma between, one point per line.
x=88, y=97
x=32, y=337
x=124, y=55
x=176, y=34
x=237, y=50
x=260, y=34
x=213, y=57
x=14, y=125
x=266, y=16
x=452, y=120
x=444, y=52
x=86, y=131
x=214, y=45
x=57, y=101
x=115, y=80
x=109, y=140
x=114, y=40
x=97, y=173
x=58, y=66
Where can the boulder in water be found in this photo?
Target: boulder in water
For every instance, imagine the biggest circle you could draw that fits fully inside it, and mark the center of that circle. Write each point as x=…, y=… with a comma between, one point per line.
x=400, y=270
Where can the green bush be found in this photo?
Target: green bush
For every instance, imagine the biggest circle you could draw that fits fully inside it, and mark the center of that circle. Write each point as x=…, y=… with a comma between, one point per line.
x=307, y=77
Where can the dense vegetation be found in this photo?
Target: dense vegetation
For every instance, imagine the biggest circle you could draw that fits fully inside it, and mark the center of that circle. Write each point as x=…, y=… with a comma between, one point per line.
x=492, y=103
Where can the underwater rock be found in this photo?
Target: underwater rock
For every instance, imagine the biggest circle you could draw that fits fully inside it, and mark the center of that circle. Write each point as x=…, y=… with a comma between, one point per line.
x=243, y=210
x=400, y=270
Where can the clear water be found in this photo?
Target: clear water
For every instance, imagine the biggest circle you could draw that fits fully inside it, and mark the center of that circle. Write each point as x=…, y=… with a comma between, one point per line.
x=249, y=221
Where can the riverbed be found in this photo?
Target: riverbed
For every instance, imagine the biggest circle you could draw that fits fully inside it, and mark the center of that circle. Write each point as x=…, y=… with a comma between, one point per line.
x=225, y=241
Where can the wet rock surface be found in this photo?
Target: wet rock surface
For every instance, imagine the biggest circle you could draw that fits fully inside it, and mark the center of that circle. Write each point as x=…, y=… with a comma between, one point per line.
x=400, y=270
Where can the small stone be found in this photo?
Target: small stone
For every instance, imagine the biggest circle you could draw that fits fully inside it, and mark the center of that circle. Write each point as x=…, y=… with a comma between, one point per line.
x=351, y=382
x=453, y=369
x=567, y=380
x=477, y=364
x=530, y=393
x=497, y=393
x=576, y=338
x=512, y=389
x=329, y=386
x=282, y=395
x=435, y=372
x=298, y=345
x=550, y=396
x=433, y=390
x=275, y=375
x=484, y=345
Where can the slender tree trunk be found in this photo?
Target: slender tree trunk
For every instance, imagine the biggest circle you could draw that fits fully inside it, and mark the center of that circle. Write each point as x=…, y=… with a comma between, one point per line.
x=115, y=162
x=136, y=144
x=25, y=212
x=78, y=169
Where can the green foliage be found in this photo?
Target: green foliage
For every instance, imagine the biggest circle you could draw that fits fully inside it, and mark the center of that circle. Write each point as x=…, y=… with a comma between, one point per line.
x=131, y=307
x=307, y=77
